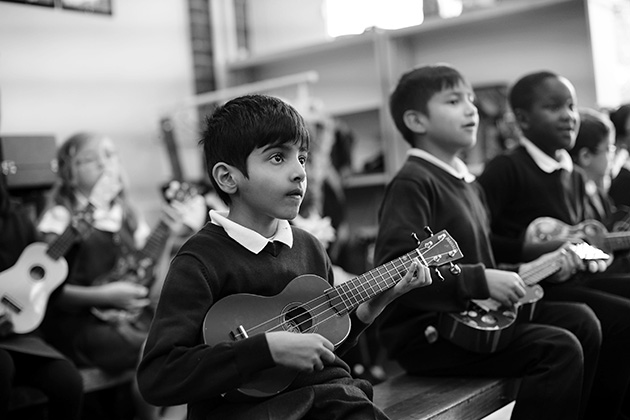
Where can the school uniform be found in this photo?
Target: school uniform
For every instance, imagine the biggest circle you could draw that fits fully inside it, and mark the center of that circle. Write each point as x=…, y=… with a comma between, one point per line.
x=427, y=192
x=524, y=184
x=26, y=359
x=87, y=340
x=224, y=259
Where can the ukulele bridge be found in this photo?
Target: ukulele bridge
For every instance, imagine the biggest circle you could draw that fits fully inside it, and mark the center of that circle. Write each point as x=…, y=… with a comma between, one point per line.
x=239, y=333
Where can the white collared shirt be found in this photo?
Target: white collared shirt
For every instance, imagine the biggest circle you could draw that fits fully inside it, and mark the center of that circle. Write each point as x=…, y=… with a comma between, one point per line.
x=460, y=171
x=546, y=162
x=248, y=238
x=57, y=219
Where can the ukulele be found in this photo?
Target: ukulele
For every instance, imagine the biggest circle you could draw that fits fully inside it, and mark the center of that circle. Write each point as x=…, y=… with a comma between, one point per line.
x=138, y=266
x=40, y=270
x=27, y=285
x=545, y=229
x=486, y=326
x=310, y=305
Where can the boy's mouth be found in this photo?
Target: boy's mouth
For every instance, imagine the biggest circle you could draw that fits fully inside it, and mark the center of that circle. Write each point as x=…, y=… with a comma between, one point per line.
x=296, y=193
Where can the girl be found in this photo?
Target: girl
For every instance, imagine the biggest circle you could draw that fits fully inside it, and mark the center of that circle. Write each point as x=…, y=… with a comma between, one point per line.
x=91, y=187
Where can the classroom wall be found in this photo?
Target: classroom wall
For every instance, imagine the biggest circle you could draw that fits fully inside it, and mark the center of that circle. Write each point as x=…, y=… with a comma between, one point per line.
x=62, y=71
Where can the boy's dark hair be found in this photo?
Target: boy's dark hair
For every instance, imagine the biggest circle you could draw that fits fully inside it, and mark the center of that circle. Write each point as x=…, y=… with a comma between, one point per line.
x=414, y=90
x=595, y=129
x=246, y=123
x=522, y=93
x=619, y=118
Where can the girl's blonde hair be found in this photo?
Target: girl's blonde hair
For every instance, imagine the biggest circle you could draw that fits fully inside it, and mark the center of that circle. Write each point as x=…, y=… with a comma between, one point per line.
x=63, y=193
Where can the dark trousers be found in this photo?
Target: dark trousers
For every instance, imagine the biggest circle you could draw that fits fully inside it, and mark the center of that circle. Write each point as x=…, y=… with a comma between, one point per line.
x=551, y=360
x=58, y=379
x=609, y=297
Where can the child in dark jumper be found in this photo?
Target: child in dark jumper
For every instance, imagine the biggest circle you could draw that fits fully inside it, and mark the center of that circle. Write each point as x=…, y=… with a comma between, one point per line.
x=538, y=179
x=433, y=109
x=256, y=149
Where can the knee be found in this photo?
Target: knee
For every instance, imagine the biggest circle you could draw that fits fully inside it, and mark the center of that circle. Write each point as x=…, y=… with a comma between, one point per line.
x=7, y=368
x=589, y=331
x=566, y=350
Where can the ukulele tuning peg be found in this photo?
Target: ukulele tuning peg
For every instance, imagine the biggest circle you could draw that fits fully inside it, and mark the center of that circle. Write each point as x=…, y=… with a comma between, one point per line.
x=428, y=231
x=455, y=270
x=438, y=274
x=415, y=237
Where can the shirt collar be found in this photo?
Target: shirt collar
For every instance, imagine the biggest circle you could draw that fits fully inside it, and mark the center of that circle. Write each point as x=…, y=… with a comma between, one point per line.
x=249, y=238
x=459, y=171
x=108, y=219
x=546, y=162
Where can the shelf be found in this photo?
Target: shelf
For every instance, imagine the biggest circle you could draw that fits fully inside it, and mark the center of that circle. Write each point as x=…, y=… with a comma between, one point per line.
x=359, y=108
x=331, y=45
x=504, y=8
x=365, y=180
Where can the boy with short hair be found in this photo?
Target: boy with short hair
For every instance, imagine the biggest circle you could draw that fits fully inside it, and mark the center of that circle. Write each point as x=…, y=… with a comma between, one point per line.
x=555, y=355
x=256, y=149
x=537, y=179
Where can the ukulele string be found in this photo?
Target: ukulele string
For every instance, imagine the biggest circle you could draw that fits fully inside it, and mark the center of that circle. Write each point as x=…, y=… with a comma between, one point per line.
x=277, y=321
x=397, y=265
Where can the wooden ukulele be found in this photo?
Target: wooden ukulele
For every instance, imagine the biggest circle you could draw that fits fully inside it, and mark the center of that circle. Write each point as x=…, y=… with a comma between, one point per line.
x=138, y=266
x=26, y=286
x=486, y=326
x=310, y=305
x=545, y=229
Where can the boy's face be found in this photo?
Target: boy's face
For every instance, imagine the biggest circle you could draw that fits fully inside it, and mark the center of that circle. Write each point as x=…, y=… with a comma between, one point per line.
x=598, y=162
x=552, y=122
x=452, y=119
x=275, y=186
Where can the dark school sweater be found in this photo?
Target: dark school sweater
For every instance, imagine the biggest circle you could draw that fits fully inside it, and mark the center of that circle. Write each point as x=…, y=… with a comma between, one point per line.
x=518, y=191
x=177, y=366
x=422, y=194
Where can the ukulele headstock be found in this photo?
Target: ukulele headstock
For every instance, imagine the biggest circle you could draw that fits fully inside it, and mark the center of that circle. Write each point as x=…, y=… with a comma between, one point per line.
x=179, y=191
x=437, y=250
x=588, y=252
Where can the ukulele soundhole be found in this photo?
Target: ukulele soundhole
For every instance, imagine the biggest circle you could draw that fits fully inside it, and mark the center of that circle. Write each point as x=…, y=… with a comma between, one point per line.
x=297, y=319
x=37, y=272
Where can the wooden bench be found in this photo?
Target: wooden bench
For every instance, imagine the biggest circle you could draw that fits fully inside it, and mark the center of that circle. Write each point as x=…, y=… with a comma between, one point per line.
x=31, y=403
x=406, y=397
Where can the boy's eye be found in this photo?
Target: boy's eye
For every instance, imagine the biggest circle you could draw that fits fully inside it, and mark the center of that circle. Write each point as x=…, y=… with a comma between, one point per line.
x=277, y=158
x=303, y=159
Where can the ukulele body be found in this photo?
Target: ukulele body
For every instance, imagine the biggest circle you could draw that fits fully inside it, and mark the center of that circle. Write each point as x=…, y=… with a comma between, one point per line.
x=27, y=285
x=302, y=307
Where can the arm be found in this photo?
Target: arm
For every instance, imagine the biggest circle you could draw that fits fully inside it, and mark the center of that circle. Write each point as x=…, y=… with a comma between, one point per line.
x=407, y=207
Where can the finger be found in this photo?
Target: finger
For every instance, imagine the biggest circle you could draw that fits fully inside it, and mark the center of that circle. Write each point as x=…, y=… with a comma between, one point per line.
x=593, y=267
x=139, y=303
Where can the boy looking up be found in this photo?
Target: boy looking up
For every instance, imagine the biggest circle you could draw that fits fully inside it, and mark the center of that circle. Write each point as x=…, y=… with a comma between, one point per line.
x=538, y=179
x=256, y=149
x=556, y=354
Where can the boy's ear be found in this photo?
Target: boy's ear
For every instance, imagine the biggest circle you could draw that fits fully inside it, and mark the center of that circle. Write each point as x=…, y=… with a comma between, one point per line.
x=224, y=175
x=522, y=119
x=585, y=157
x=415, y=121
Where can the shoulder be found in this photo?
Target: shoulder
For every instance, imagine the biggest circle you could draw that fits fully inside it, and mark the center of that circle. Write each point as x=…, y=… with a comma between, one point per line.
x=210, y=235
x=306, y=241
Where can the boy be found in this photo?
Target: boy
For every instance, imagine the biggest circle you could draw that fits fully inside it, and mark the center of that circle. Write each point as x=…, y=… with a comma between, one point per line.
x=538, y=179
x=593, y=152
x=620, y=188
x=256, y=150
x=432, y=107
